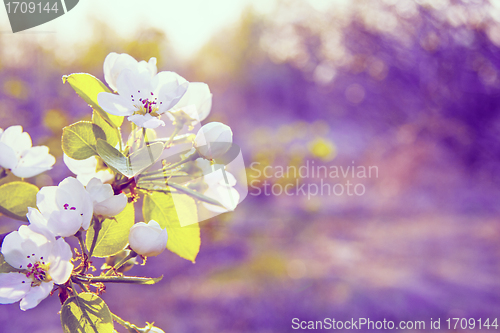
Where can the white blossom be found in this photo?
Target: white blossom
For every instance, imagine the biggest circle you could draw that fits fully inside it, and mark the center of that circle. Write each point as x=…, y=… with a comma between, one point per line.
x=66, y=207
x=85, y=169
x=42, y=259
x=105, y=202
x=142, y=96
x=18, y=155
x=148, y=239
x=213, y=140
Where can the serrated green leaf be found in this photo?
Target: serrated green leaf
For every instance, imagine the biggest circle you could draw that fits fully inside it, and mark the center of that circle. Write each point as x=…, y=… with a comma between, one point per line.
x=132, y=165
x=88, y=87
x=86, y=313
x=113, y=236
x=111, y=134
x=16, y=197
x=5, y=267
x=79, y=139
x=184, y=241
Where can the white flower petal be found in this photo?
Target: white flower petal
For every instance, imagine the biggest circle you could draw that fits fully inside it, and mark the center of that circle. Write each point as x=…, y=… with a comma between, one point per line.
x=87, y=165
x=61, y=269
x=99, y=191
x=45, y=200
x=85, y=169
x=64, y=223
x=35, y=244
x=111, y=206
x=13, y=252
x=115, y=104
x=146, y=121
x=70, y=192
x=33, y=162
x=168, y=87
x=227, y=196
x=114, y=64
x=38, y=223
x=12, y=288
x=134, y=85
x=196, y=102
x=219, y=177
x=149, y=66
x=102, y=175
x=8, y=158
x=35, y=295
x=15, y=138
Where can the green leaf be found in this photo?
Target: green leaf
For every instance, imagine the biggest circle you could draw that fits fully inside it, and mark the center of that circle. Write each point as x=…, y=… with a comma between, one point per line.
x=111, y=133
x=113, y=236
x=16, y=197
x=132, y=165
x=79, y=139
x=86, y=313
x=184, y=241
x=88, y=87
x=5, y=267
x=119, y=279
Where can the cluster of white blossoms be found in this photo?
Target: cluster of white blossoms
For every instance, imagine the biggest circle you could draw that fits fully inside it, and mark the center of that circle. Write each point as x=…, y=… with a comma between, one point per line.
x=38, y=253
x=144, y=95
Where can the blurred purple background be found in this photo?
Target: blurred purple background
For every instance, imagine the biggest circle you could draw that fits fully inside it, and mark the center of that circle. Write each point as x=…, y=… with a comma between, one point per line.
x=411, y=87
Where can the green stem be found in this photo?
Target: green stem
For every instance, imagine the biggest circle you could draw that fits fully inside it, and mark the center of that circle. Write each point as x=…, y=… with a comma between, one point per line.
x=133, y=137
x=97, y=228
x=126, y=324
x=3, y=173
x=119, y=135
x=176, y=131
x=195, y=194
x=143, y=136
x=117, y=279
x=120, y=321
x=146, y=179
x=72, y=288
x=79, y=235
x=84, y=287
x=190, y=158
x=131, y=255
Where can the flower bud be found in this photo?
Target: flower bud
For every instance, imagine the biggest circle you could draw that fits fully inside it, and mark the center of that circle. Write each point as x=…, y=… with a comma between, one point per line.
x=148, y=239
x=213, y=140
